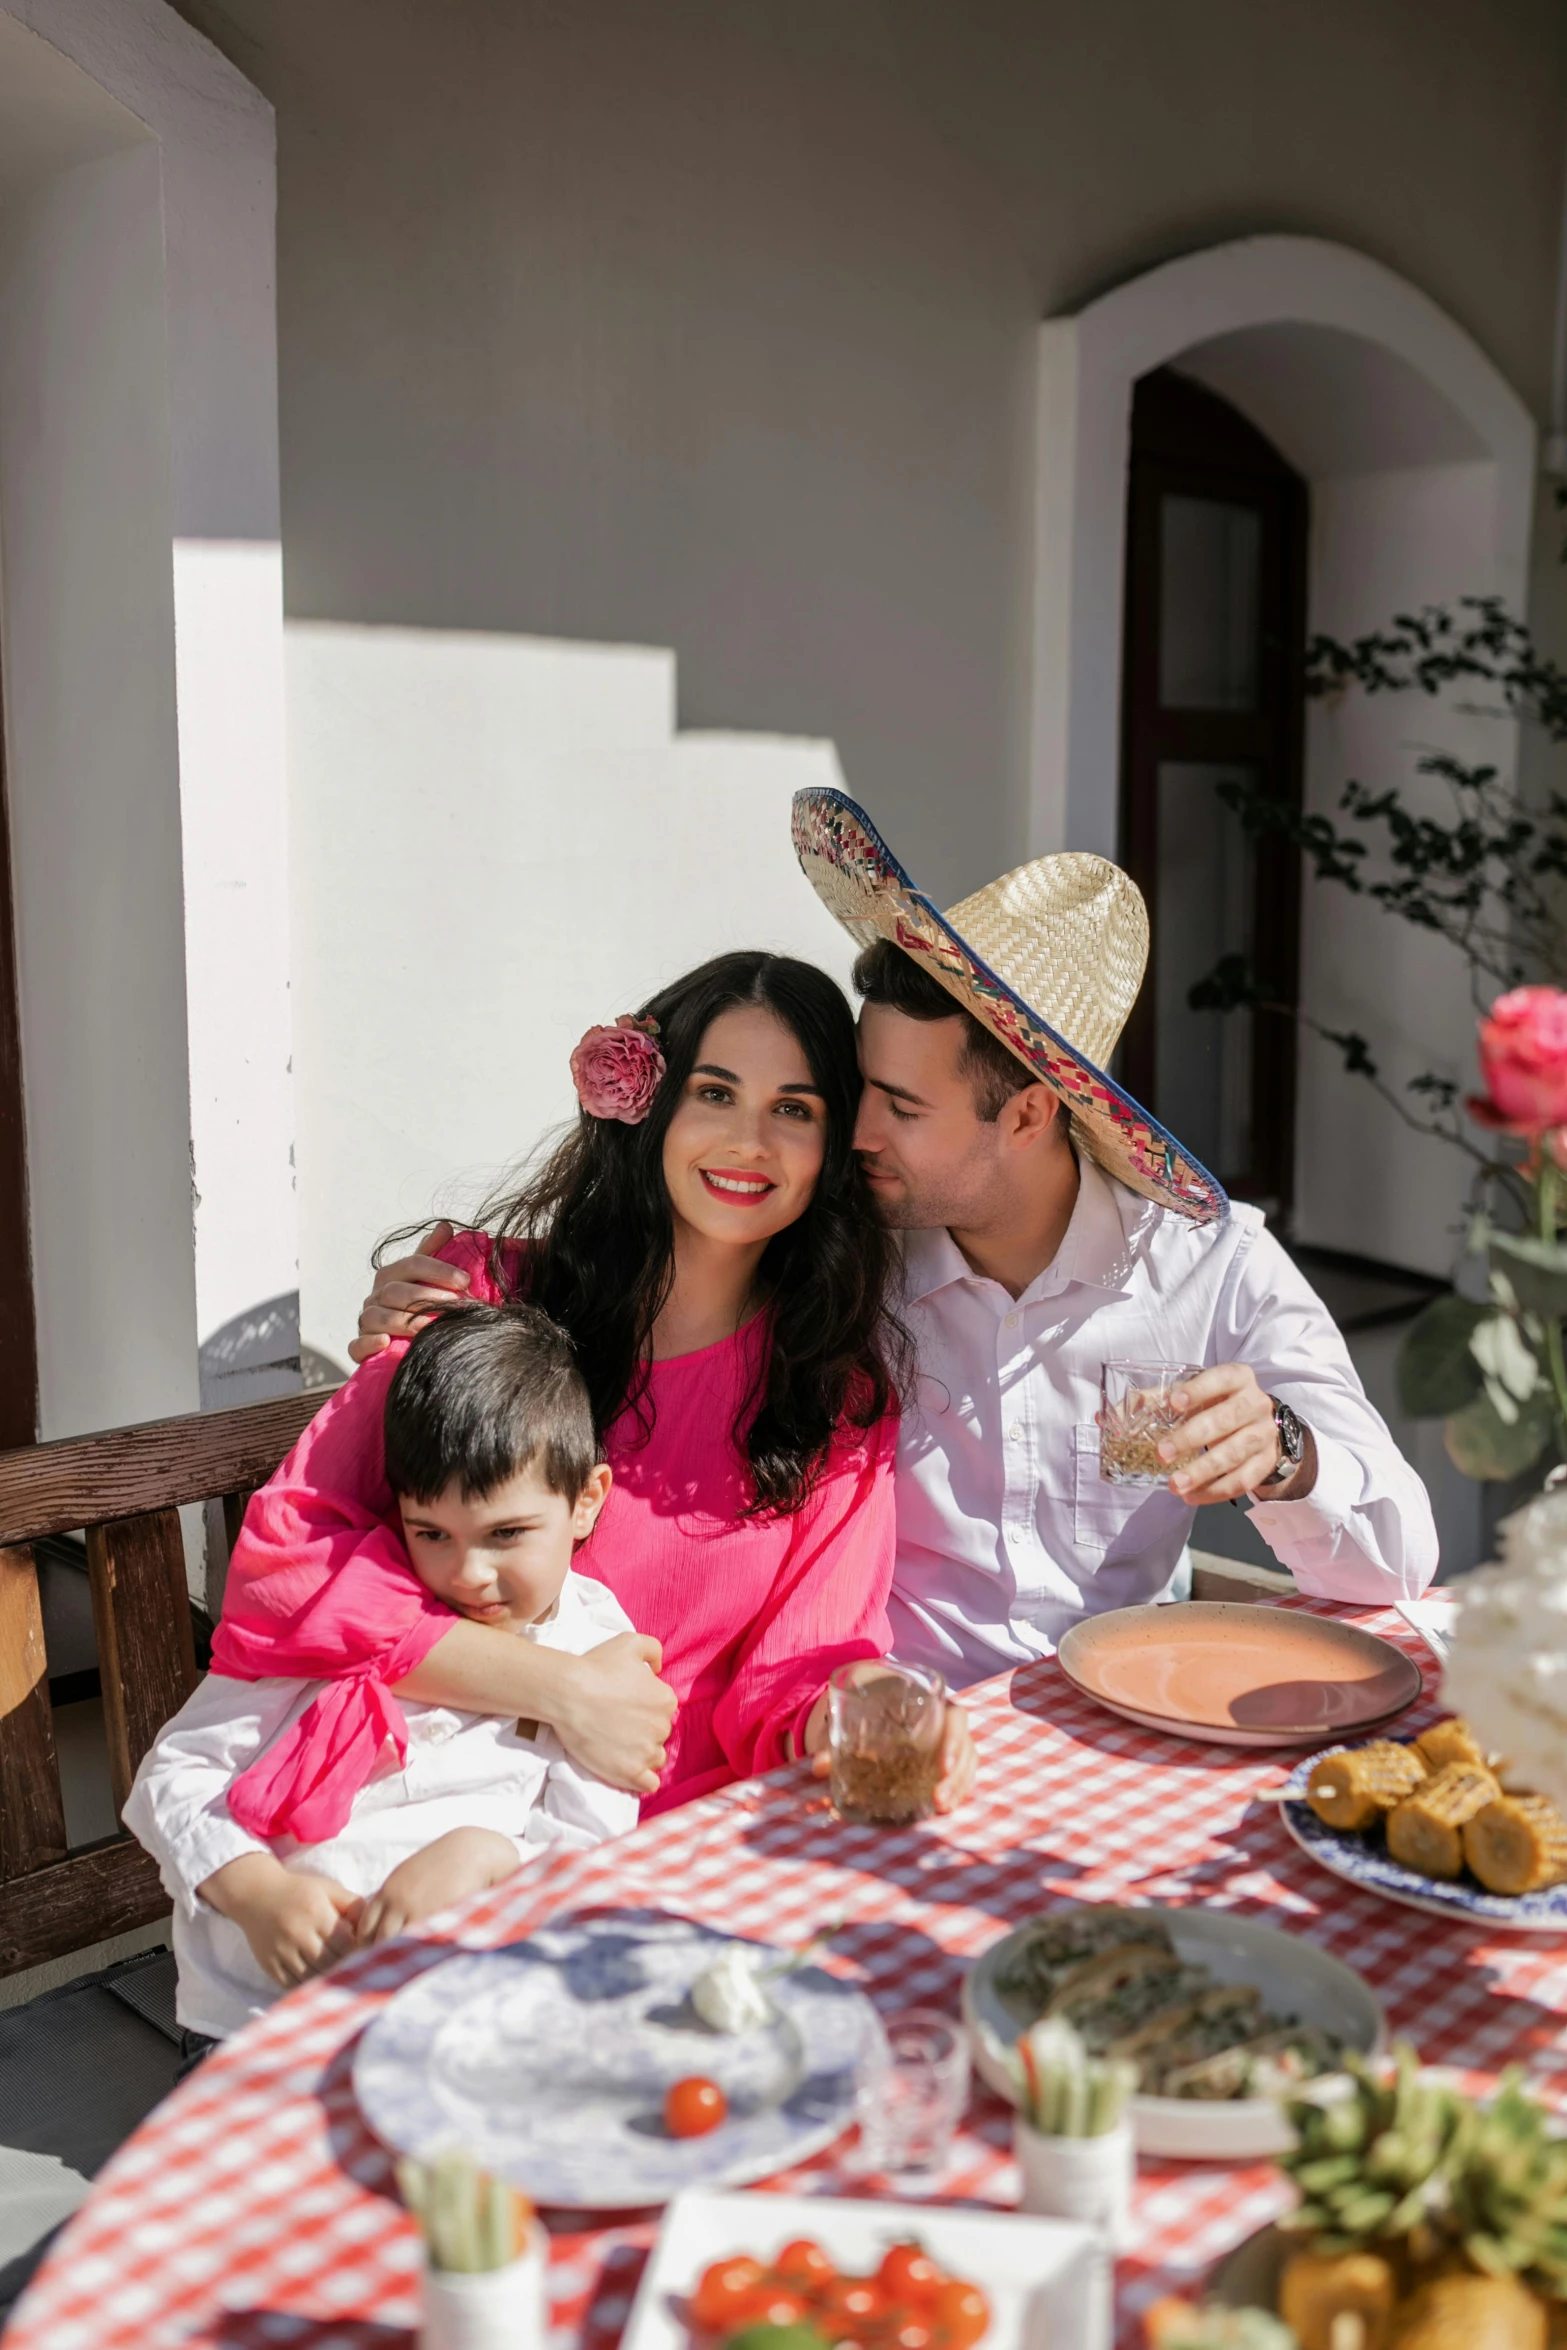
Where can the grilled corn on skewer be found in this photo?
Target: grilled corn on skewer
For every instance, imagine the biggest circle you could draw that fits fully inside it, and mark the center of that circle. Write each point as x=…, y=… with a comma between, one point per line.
x=1354, y=1789
x=1425, y=1831
x=1517, y=1844
x=1449, y=1742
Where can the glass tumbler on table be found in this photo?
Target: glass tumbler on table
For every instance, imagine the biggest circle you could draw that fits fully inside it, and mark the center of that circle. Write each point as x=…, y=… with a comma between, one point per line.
x=885, y=1724
x=1136, y=1412
x=912, y=2092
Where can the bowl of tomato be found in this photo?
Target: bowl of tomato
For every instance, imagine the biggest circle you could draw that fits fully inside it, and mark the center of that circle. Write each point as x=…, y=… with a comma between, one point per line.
x=787, y=2272
x=801, y=2299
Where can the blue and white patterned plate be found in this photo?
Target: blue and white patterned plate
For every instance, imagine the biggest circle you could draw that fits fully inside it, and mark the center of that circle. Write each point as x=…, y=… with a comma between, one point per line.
x=1365, y=1860
x=548, y=2062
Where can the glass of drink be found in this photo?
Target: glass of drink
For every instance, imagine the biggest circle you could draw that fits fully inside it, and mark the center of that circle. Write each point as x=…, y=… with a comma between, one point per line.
x=1136, y=1411
x=885, y=1722
x=912, y=2090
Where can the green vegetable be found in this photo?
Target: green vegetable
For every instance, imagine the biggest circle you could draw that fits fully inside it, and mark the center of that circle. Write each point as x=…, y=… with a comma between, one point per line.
x=1406, y=2158
x=469, y=2220
x=1062, y=2090
x=766, y=2337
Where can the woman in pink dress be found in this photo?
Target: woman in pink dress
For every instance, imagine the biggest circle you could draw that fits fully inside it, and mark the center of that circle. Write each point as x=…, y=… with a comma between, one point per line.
x=704, y=1234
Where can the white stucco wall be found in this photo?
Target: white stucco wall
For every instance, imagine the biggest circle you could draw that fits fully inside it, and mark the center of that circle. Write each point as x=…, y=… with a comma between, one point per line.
x=1381, y=544
x=211, y=885
x=94, y=790
x=497, y=843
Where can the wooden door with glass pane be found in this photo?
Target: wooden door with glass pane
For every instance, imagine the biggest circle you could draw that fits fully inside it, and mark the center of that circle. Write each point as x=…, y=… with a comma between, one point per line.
x=1213, y=694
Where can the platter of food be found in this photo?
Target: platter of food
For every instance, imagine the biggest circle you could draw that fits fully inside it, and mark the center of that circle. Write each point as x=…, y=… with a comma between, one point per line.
x=1228, y=1674
x=1430, y=1823
x=615, y=2060
x=1221, y=2015
x=1426, y=2220
x=968, y=2280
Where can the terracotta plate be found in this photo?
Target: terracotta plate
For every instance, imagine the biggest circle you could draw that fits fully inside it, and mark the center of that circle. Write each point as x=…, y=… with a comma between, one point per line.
x=1232, y=1675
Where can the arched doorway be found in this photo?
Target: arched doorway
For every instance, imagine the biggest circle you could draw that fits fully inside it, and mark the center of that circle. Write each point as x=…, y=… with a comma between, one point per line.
x=1419, y=458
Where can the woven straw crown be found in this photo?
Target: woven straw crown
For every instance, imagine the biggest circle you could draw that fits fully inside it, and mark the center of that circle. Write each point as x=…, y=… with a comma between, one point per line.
x=1069, y=934
x=1049, y=959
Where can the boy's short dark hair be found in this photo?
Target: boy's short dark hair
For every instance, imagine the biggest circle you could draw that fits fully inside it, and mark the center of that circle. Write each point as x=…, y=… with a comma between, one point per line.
x=884, y=974
x=483, y=1393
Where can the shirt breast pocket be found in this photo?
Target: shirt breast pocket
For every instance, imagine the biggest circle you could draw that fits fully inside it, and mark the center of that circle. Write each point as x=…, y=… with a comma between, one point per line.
x=1099, y=1509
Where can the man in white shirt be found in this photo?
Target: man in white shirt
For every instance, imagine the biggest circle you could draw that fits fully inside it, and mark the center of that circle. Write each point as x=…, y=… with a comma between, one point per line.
x=1053, y=1226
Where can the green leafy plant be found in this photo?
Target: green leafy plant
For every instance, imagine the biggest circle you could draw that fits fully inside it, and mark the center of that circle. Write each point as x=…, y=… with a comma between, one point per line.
x=1487, y=879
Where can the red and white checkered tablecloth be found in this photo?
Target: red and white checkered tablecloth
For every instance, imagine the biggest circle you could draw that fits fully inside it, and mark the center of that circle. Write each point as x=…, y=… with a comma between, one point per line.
x=254, y=2207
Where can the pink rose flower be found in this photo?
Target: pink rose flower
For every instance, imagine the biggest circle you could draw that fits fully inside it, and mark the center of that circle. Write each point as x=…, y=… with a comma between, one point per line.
x=618, y=1070
x=1523, y=1054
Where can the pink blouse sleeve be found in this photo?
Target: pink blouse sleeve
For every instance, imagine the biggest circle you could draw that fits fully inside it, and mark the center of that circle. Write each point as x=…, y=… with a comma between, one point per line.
x=319, y=1586
x=319, y=1582
x=828, y=1606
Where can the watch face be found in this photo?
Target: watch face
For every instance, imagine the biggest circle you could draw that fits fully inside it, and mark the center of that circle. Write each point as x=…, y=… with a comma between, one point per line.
x=1292, y=1442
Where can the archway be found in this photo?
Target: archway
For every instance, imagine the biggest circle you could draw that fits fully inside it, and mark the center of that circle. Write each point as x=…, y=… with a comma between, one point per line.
x=1420, y=460
x=1350, y=370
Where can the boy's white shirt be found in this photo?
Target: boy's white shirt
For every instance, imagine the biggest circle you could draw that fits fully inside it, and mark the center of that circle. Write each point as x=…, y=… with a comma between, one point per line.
x=461, y=1771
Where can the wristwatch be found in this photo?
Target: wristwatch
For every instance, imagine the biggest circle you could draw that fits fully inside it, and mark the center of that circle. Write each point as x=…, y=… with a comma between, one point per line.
x=1292, y=1445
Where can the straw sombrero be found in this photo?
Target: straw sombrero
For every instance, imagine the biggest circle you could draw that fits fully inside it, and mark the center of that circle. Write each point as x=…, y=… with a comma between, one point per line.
x=1049, y=959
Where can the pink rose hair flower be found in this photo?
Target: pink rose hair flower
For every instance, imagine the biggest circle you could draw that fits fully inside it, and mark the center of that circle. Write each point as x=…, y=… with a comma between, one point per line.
x=1523, y=1056
x=618, y=1070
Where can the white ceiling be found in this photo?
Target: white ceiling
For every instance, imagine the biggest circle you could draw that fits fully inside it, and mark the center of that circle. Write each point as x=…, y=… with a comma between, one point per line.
x=1331, y=402
x=52, y=115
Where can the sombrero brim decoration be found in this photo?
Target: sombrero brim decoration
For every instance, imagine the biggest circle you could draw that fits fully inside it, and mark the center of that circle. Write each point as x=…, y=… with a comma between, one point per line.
x=1072, y=929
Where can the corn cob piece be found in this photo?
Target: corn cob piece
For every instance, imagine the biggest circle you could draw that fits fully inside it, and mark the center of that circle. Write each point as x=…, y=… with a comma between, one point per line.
x=1517, y=1844
x=1449, y=1742
x=1460, y=2312
x=1425, y=1831
x=1318, y=2291
x=1354, y=1789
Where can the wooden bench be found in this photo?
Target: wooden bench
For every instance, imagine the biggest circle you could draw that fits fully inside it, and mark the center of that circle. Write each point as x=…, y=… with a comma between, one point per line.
x=124, y=1488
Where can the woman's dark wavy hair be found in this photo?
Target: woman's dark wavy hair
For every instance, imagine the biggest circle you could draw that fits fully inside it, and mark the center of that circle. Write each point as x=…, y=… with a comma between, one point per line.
x=598, y=1240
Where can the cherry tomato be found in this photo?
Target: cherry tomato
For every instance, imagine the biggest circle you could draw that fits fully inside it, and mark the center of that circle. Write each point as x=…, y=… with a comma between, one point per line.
x=770, y=2304
x=849, y=2307
x=908, y=2274
x=960, y=2313
x=906, y=2329
x=693, y=2107
x=804, y=2263
x=721, y=2290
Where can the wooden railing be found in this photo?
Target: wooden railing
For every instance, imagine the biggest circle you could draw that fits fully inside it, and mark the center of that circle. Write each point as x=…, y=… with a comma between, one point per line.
x=124, y=1489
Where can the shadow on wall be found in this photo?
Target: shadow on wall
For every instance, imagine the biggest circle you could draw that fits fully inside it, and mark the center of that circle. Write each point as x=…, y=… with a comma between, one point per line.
x=495, y=843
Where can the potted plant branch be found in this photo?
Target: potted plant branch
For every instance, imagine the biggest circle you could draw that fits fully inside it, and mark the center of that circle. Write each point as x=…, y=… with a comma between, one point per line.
x=1489, y=881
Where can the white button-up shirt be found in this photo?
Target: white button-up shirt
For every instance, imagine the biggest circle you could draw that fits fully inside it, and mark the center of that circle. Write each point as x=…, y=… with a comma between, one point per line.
x=1007, y=1535
x=461, y=1770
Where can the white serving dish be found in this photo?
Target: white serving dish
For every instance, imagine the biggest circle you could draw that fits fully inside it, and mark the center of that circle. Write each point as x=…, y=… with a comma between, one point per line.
x=1296, y=1980
x=548, y=2059
x=1048, y=2280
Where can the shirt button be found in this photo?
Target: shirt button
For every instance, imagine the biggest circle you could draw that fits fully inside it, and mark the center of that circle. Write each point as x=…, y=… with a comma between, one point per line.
x=1011, y=1321
x=1015, y=1431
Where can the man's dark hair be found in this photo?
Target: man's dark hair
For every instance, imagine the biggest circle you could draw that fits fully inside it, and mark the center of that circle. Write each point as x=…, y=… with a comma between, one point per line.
x=884, y=974
x=483, y=1393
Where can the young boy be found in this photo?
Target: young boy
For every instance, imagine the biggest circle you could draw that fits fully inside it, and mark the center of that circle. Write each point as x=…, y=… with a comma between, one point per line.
x=491, y=1451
